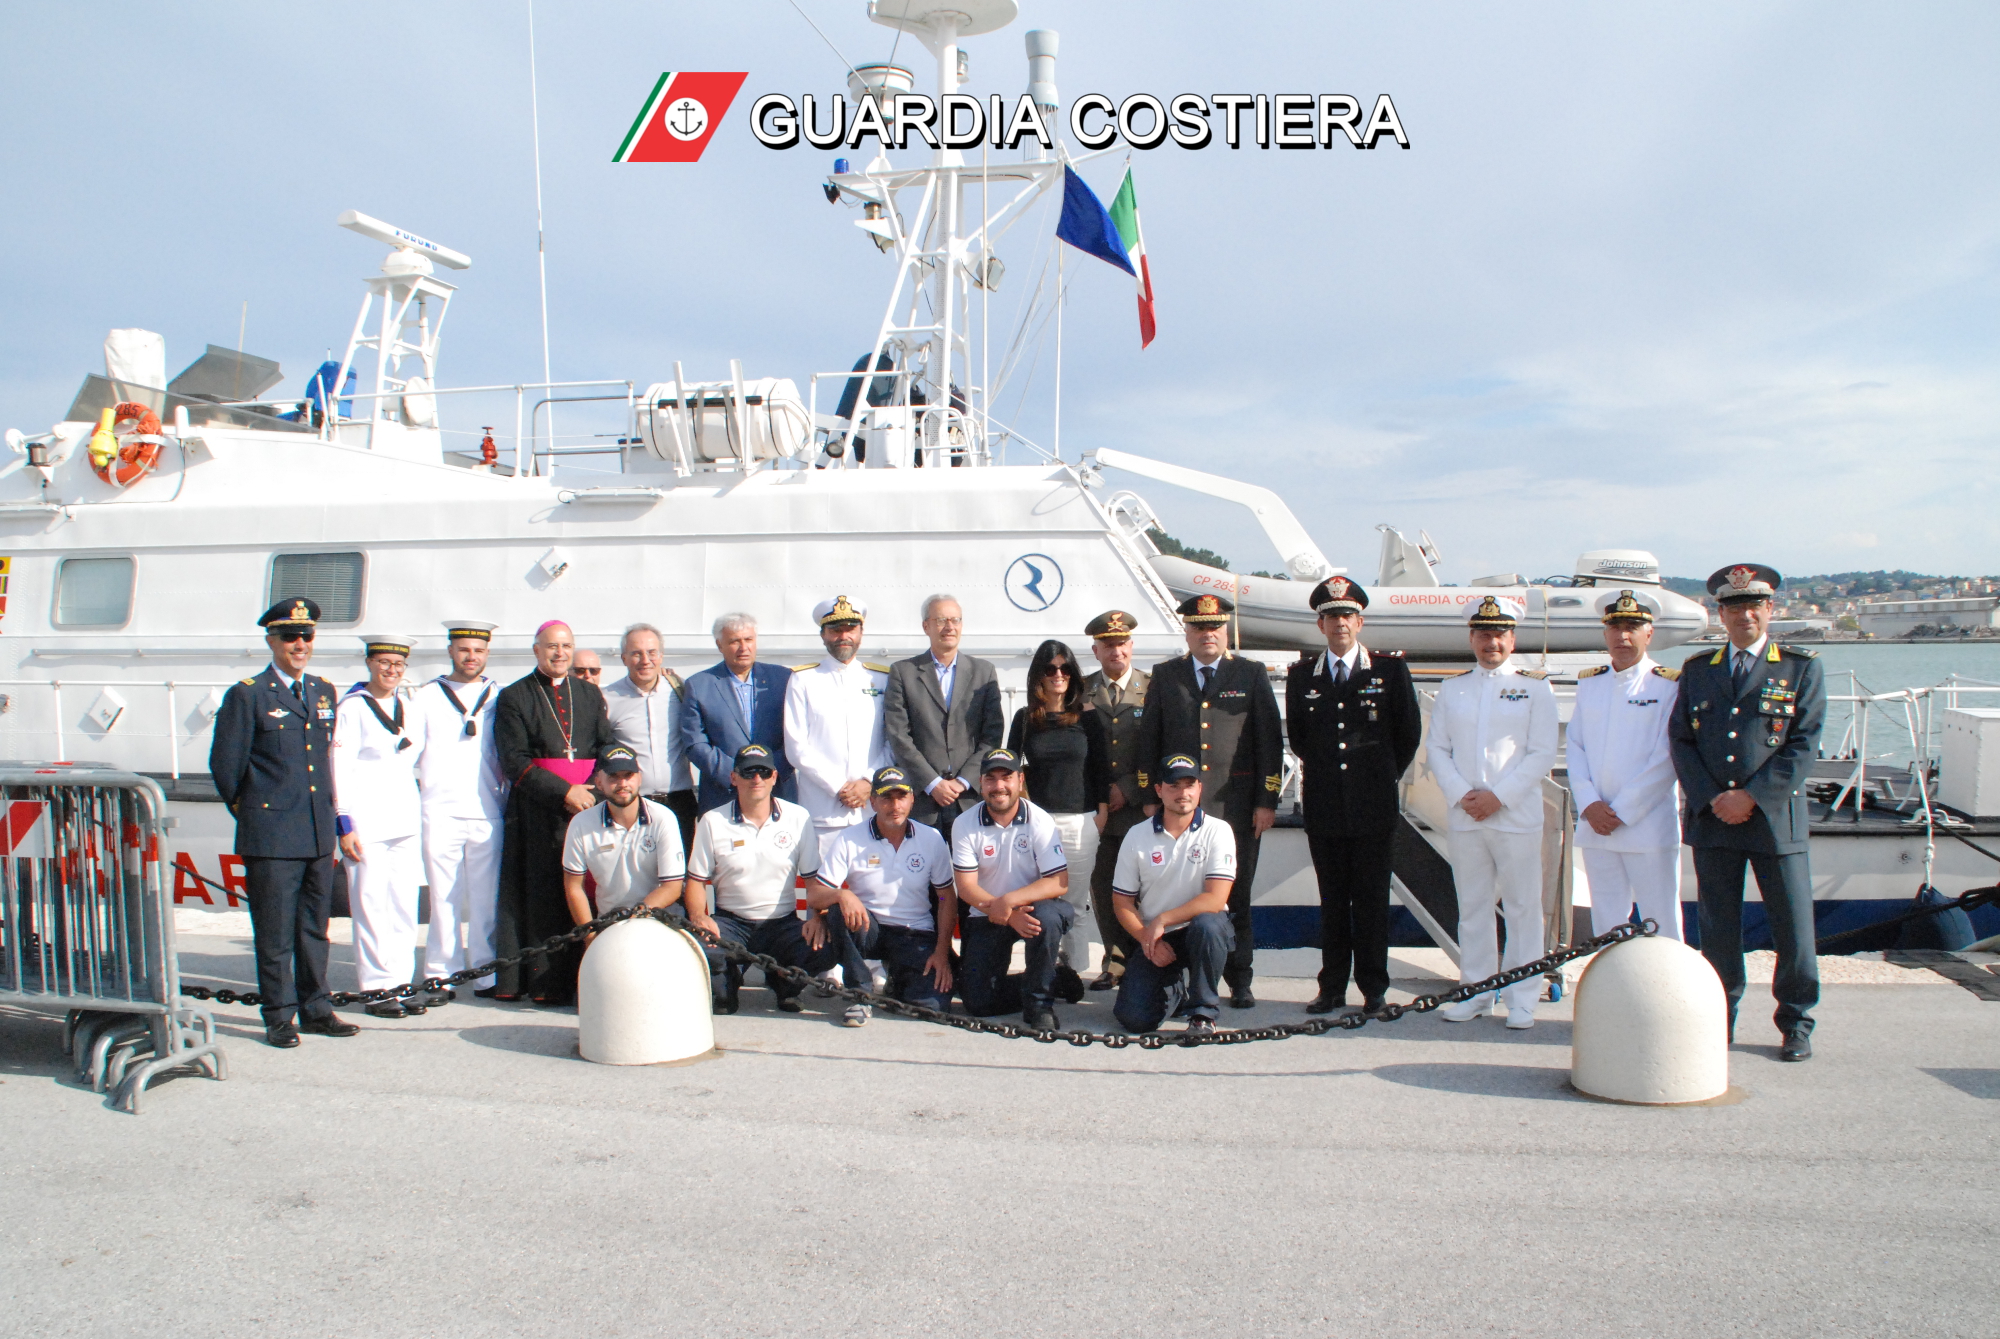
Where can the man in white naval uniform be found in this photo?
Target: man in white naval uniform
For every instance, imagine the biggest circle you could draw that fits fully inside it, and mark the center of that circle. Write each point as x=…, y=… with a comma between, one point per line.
x=464, y=797
x=375, y=797
x=1621, y=770
x=1493, y=740
x=833, y=721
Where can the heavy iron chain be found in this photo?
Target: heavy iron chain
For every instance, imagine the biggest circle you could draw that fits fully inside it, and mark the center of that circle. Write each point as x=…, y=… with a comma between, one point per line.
x=1977, y=897
x=1117, y=1041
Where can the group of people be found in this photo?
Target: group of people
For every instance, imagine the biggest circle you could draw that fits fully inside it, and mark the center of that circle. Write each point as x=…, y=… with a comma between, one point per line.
x=927, y=834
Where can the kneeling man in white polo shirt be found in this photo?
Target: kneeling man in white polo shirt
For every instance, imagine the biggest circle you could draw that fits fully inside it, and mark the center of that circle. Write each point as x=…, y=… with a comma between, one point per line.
x=753, y=852
x=627, y=846
x=1171, y=889
x=1010, y=874
x=893, y=871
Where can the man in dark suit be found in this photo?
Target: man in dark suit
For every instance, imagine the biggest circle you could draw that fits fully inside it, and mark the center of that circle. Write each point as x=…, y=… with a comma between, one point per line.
x=1219, y=708
x=1118, y=691
x=941, y=713
x=1355, y=725
x=1745, y=731
x=739, y=701
x=549, y=729
x=271, y=762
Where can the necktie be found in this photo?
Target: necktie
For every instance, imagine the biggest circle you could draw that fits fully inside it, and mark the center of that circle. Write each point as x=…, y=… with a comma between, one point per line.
x=298, y=689
x=1743, y=663
x=1339, y=672
x=1207, y=672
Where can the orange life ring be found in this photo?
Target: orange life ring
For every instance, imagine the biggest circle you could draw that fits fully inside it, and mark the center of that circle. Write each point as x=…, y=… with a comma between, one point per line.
x=139, y=447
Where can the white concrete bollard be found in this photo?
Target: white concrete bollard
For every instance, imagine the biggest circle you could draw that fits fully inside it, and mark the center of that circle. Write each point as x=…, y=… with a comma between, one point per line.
x=1652, y=1026
x=642, y=996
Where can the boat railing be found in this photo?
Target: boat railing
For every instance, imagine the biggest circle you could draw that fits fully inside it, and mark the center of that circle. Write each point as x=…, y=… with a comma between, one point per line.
x=1912, y=712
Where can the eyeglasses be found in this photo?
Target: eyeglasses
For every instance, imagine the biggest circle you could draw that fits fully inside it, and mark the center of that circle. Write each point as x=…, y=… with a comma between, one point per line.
x=756, y=773
x=288, y=637
x=949, y=622
x=589, y=671
x=1056, y=672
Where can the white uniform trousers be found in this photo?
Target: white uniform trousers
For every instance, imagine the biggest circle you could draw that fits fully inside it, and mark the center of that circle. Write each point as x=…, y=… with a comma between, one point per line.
x=1079, y=842
x=1621, y=879
x=462, y=859
x=1502, y=869
x=382, y=891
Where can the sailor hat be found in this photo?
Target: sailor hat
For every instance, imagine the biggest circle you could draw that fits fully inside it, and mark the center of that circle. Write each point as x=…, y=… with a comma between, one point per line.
x=1001, y=760
x=1180, y=767
x=1496, y=613
x=1744, y=581
x=839, y=609
x=1628, y=608
x=393, y=646
x=888, y=780
x=468, y=627
x=1205, y=611
x=617, y=759
x=294, y=611
x=1111, y=625
x=752, y=755
x=1338, y=595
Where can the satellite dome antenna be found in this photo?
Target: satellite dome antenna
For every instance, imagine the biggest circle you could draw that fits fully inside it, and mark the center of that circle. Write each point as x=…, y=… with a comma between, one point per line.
x=414, y=302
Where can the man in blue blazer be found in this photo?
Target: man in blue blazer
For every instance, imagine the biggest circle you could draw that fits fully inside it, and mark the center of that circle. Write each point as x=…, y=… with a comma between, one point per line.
x=735, y=703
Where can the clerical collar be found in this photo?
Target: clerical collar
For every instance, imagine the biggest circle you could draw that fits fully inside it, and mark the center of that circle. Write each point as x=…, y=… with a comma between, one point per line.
x=553, y=683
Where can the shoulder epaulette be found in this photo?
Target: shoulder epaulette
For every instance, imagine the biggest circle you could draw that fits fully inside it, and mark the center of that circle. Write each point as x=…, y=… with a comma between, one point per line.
x=1458, y=674
x=1713, y=659
x=1397, y=654
x=1665, y=673
x=251, y=679
x=800, y=669
x=1533, y=674
x=879, y=669
x=1593, y=670
x=675, y=682
x=1801, y=652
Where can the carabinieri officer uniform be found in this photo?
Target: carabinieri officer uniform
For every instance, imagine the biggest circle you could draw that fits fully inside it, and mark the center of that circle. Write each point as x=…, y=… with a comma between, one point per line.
x=1355, y=724
x=269, y=758
x=1747, y=721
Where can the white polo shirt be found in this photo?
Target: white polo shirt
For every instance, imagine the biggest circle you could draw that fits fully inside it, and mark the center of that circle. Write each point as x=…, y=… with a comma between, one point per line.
x=1008, y=858
x=754, y=869
x=625, y=863
x=1165, y=872
x=894, y=882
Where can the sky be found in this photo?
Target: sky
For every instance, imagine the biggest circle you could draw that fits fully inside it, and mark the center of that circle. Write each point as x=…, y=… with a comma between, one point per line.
x=1718, y=281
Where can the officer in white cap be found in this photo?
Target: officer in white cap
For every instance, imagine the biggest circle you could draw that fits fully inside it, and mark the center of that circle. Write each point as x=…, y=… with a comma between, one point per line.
x=833, y=721
x=464, y=798
x=1492, y=741
x=375, y=755
x=1621, y=771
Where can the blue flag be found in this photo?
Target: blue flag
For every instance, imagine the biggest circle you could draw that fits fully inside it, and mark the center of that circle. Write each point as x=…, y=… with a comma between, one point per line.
x=1087, y=226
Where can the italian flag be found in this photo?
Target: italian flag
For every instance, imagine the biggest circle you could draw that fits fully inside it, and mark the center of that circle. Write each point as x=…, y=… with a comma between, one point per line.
x=1125, y=216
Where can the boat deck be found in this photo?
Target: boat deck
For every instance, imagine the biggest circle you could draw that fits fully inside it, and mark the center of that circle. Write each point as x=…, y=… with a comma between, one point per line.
x=465, y=1172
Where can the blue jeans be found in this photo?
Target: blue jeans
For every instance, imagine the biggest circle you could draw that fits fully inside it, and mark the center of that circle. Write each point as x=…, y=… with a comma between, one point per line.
x=985, y=947
x=903, y=954
x=782, y=937
x=1148, y=993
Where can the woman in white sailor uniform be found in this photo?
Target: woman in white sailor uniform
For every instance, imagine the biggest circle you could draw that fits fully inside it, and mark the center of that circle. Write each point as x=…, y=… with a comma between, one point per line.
x=464, y=798
x=375, y=795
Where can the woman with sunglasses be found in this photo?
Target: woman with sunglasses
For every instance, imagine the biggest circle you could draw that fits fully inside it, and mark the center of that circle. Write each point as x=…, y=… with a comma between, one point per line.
x=1062, y=739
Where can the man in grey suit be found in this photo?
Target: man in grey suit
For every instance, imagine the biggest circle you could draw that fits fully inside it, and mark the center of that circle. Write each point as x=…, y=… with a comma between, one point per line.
x=941, y=713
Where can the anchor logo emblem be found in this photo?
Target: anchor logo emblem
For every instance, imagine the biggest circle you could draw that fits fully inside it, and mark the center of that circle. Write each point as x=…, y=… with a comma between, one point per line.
x=686, y=119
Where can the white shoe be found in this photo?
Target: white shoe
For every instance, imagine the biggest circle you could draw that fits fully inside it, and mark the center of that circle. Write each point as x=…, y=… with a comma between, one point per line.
x=1464, y=1011
x=857, y=1016
x=1520, y=1019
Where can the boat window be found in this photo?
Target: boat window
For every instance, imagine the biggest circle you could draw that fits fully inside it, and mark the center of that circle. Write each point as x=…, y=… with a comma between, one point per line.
x=93, y=592
x=330, y=580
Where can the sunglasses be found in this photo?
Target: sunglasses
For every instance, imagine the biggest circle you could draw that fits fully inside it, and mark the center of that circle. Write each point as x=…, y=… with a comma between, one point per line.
x=305, y=636
x=589, y=672
x=1056, y=672
x=756, y=773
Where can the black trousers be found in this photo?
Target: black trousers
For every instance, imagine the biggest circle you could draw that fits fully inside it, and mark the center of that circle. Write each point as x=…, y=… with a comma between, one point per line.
x=1353, y=874
x=1785, y=881
x=685, y=809
x=1237, y=971
x=1118, y=946
x=290, y=901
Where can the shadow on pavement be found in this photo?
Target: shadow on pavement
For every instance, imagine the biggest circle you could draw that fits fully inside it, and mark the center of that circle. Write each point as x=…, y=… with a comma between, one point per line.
x=1534, y=1081
x=1972, y=1082
x=525, y=1039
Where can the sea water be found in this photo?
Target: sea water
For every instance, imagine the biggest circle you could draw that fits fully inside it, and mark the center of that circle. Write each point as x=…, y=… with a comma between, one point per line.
x=1853, y=667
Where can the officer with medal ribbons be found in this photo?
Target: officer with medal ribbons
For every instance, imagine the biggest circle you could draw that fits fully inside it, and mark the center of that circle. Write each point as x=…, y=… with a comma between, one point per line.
x=463, y=797
x=1621, y=771
x=273, y=737
x=1355, y=725
x=1745, y=731
x=1117, y=691
x=1492, y=742
x=1219, y=708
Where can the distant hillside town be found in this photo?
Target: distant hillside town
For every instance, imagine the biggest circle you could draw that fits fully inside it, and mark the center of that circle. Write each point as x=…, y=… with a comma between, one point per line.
x=1877, y=604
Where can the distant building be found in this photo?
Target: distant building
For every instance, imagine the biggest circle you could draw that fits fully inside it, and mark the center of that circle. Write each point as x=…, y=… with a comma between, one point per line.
x=1895, y=618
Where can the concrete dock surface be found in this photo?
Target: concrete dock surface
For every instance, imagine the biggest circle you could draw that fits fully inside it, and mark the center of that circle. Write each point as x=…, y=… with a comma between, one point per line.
x=465, y=1172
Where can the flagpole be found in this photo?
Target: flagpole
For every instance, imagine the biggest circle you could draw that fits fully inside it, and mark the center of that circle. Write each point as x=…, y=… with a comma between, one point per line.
x=1059, y=323
x=541, y=249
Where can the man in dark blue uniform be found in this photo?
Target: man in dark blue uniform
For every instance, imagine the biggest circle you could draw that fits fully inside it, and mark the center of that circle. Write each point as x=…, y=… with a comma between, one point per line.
x=270, y=761
x=1355, y=724
x=1745, y=730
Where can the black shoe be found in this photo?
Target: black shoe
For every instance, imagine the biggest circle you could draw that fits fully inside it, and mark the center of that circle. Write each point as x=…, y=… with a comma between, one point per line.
x=414, y=1005
x=490, y=992
x=727, y=1006
x=333, y=1025
x=436, y=999
x=1041, y=1020
x=1200, y=1025
x=1374, y=1008
x=1323, y=1003
x=387, y=1009
x=1798, y=1045
x=789, y=1004
x=1241, y=998
x=1105, y=981
x=284, y=1036
x=1068, y=985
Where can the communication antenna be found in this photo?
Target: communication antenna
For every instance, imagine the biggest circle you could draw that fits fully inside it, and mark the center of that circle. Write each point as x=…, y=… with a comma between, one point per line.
x=541, y=247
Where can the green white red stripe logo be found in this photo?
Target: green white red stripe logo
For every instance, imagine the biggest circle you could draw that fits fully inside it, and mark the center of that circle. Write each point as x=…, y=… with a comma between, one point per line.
x=680, y=116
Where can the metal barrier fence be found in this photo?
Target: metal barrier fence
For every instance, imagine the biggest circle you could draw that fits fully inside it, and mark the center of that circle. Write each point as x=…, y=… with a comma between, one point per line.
x=87, y=924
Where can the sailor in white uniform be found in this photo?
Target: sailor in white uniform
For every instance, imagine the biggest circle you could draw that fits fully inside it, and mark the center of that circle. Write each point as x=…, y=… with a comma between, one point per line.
x=833, y=721
x=464, y=797
x=1621, y=770
x=1492, y=741
x=378, y=815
